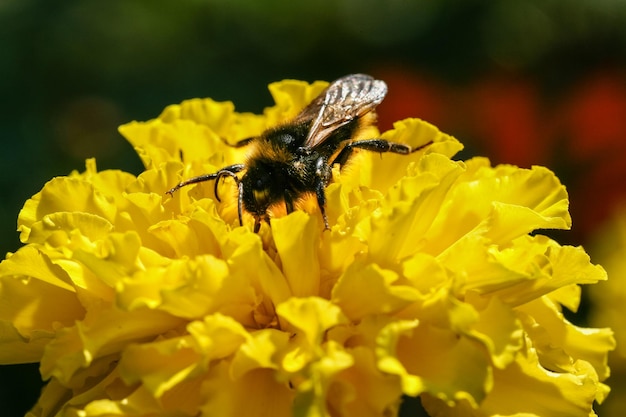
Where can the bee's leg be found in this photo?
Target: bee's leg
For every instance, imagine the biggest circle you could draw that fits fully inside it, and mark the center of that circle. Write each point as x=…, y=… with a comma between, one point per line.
x=288, y=196
x=230, y=170
x=258, y=219
x=321, y=201
x=257, y=224
x=239, y=201
x=241, y=143
x=322, y=177
x=375, y=145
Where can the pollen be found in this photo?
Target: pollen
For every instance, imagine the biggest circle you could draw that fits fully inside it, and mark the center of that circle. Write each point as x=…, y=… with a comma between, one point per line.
x=261, y=195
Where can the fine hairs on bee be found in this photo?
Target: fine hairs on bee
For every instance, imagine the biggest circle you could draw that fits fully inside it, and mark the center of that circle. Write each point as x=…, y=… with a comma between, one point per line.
x=296, y=158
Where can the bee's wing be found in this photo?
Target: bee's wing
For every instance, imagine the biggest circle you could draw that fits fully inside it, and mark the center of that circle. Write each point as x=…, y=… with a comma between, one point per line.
x=344, y=100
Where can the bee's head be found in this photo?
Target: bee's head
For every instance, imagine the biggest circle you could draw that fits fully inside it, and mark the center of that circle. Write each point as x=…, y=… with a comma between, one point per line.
x=261, y=188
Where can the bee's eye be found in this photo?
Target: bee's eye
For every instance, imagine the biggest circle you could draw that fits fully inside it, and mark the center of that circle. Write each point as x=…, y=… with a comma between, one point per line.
x=260, y=184
x=262, y=181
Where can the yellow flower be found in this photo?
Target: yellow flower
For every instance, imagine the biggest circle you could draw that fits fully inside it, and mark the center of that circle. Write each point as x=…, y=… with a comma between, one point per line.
x=609, y=303
x=428, y=284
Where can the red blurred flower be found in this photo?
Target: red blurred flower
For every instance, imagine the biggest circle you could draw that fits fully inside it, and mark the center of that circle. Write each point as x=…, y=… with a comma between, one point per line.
x=410, y=95
x=596, y=117
x=594, y=123
x=506, y=114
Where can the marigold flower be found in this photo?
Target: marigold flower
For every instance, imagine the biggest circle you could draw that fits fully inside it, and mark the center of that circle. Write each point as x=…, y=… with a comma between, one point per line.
x=609, y=303
x=428, y=284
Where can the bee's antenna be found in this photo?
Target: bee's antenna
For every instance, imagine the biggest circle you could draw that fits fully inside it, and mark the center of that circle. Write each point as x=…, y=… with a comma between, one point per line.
x=194, y=180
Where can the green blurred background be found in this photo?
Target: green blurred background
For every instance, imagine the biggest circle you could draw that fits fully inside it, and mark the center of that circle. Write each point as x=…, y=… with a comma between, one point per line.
x=521, y=81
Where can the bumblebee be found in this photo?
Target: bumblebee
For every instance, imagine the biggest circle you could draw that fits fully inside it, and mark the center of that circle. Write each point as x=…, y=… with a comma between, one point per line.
x=296, y=158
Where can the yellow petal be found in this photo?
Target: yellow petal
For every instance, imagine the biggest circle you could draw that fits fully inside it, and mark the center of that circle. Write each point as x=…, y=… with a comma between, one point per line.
x=189, y=289
x=155, y=142
x=162, y=365
x=295, y=252
x=559, y=342
x=362, y=390
x=264, y=349
x=311, y=400
x=499, y=329
x=218, y=336
x=249, y=263
x=100, y=334
x=220, y=117
x=35, y=294
x=385, y=171
x=367, y=289
x=434, y=360
x=15, y=348
x=290, y=97
x=400, y=227
x=255, y=394
x=549, y=265
x=553, y=394
x=64, y=194
x=311, y=316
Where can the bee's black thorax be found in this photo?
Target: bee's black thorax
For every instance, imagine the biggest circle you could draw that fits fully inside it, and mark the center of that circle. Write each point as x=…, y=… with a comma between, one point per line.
x=281, y=169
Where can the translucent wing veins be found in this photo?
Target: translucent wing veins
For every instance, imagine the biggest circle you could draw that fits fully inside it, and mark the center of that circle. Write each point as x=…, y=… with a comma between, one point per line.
x=344, y=100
